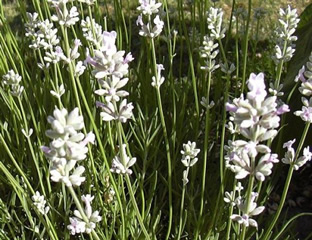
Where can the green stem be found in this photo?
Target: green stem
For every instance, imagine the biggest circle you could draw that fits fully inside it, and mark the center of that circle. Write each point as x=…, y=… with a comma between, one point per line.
x=99, y=141
x=136, y=208
x=249, y=191
x=280, y=68
x=245, y=50
x=182, y=208
x=229, y=222
x=21, y=172
x=163, y=124
x=206, y=141
x=190, y=54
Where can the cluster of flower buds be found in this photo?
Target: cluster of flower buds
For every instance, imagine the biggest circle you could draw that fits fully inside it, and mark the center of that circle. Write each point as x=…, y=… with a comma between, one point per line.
x=44, y=36
x=40, y=203
x=147, y=8
x=92, y=31
x=64, y=16
x=68, y=146
x=305, y=76
x=209, y=51
x=230, y=196
x=247, y=210
x=158, y=80
x=284, y=48
x=256, y=118
x=13, y=79
x=86, y=223
x=214, y=21
x=189, y=158
x=88, y=2
x=110, y=66
x=107, y=60
x=290, y=155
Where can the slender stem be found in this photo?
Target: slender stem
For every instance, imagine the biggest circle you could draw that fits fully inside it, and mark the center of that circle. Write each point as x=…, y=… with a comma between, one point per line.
x=21, y=172
x=182, y=208
x=123, y=160
x=136, y=208
x=206, y=141
x=229, y=222
x=99, y=141
x=163, y=124
x=190, y=53
x=289, y=222
x=31, y=148
x=280, y=67
x=249, y=191
x=245, y=50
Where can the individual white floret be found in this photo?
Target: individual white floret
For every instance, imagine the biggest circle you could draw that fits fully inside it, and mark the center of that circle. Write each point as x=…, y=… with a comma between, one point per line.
x=158, y=80
x=121, y=164
x=109, y=112
x=111, y=88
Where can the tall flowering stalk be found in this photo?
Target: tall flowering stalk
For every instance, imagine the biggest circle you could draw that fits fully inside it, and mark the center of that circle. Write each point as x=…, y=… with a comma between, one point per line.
x=189, y=159
x=66, y=150
x=256, y=118
x=291, y=157
x=154, y=25
x=285, y=48
x=147, y=9
x=109, y=68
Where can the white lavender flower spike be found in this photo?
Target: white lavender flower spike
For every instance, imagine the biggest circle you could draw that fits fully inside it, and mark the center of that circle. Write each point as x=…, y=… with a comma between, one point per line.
x=40, y=203
x=63, y=16
x=158, y=80
x=148, y=7
x=214, y=21
x=68, y=146
x=189, y=158
x=284, y=48
x=107, y=60
x=13, y=79
x=122, y=114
